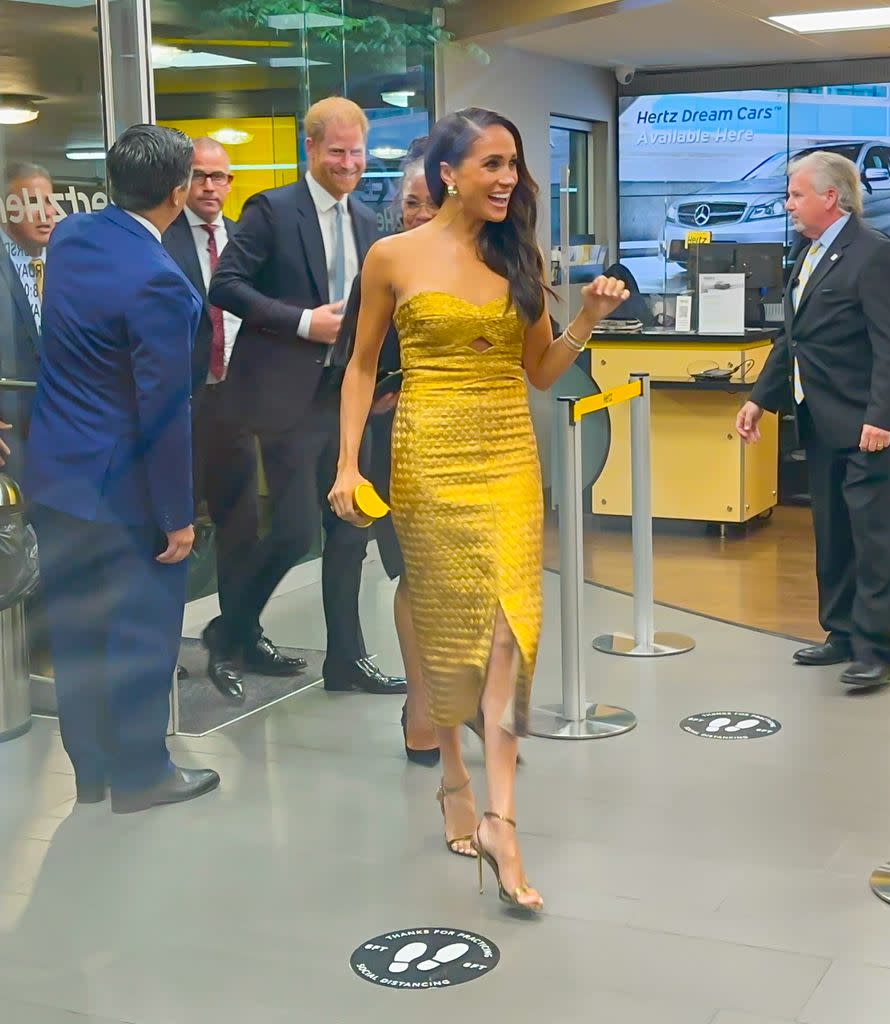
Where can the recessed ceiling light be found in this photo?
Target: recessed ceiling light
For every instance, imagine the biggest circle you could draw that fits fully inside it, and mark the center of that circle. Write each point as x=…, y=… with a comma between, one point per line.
x=163, y=57
x=231, y=136
x=388, y=152
x=835, y=21
x=397, y=98
x=17, y=109
x=85, y=154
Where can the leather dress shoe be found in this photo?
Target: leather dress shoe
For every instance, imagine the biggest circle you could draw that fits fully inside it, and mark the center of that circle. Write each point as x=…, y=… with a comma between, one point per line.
x=829, y=653
x=364, y=675
x=221, y=669
x=264, y=658
x=225, y=677
x=180, y=785
x=863, y=674
x=91, y=792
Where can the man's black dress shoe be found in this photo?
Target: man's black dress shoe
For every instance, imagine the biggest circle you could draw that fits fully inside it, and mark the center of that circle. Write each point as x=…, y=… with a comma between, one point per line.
x=182, y=784
x=221, y=669
x=225, y=677
x=829, y=653
x=91, y=792
x=861, y=673
x=264, y=658
x=363, y=675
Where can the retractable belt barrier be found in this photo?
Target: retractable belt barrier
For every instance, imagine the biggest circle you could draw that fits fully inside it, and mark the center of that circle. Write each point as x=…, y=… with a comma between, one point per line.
x=575, y=718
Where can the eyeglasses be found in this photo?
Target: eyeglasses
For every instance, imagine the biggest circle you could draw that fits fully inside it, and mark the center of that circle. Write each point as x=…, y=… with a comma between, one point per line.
x=217, y=177
x=416, y=204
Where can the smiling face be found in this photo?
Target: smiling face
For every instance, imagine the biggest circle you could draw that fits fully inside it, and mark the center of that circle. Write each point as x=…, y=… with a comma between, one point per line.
x=488, y=174
x=417, y=204
x=337, y=160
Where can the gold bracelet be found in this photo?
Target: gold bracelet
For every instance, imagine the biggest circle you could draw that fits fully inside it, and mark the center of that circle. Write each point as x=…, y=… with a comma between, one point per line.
x=566, y=339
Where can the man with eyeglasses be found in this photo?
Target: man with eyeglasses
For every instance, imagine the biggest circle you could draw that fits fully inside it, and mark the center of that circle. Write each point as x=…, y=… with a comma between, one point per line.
x=223, y=457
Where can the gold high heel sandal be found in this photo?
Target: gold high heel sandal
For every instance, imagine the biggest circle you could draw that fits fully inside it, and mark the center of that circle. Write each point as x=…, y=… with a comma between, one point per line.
x=452, y=844
x=511, y=898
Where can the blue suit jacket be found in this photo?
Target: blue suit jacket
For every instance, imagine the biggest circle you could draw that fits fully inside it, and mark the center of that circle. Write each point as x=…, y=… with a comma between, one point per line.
x=111, y=427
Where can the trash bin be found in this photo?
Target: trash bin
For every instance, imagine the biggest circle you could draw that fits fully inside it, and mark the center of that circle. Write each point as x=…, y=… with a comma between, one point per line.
x=19, y=574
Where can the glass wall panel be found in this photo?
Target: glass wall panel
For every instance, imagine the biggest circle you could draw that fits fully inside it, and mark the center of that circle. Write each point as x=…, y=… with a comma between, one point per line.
x=51, y=165
x=246, y=77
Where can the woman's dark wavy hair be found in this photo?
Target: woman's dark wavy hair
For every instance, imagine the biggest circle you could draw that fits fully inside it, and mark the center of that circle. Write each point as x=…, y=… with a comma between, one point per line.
x=510, y=247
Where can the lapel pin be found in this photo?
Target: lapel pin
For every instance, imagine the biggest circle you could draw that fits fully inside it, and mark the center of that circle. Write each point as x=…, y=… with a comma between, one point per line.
x=834, y=256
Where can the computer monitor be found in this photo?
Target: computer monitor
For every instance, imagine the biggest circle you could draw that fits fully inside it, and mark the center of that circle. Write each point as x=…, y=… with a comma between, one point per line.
x=762, y=263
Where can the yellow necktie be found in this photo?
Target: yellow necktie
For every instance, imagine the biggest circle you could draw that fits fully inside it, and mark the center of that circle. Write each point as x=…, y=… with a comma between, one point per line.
x=805, y=271
x=38, y=267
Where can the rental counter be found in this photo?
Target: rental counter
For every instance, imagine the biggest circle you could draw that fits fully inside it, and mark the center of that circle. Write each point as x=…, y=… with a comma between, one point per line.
x=701, y=469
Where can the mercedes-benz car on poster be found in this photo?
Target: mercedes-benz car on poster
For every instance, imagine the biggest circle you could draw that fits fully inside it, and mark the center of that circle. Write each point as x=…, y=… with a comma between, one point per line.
x=752, y=209
x=717, y=163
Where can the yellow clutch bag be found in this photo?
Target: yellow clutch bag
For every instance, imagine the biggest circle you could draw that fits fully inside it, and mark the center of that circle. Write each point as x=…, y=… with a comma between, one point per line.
x=368, y=504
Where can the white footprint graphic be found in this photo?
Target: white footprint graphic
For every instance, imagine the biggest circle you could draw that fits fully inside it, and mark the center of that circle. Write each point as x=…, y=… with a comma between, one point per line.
x=718, y=724
x=748, y=723
x=444, y=956
x=406, y=956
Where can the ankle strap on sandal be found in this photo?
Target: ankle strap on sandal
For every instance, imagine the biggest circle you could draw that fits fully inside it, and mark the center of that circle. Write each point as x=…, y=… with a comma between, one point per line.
x=449, y=790
x=499, y=817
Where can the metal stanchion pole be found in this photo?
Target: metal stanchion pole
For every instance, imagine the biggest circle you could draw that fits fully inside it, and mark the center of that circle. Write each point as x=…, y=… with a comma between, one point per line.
x=574, y=718
x=880, y=882
x=645, y=642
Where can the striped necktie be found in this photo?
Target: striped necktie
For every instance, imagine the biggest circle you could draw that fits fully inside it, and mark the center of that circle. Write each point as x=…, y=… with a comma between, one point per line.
x=805, y=272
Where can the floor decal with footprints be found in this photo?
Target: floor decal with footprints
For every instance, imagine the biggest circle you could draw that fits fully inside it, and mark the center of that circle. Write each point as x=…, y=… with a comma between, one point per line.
x=730, y=725
x=421, y=958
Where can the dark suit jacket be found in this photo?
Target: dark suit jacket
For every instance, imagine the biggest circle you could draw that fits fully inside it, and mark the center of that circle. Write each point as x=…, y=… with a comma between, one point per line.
x=270, y=272
x=111, y=430
x=19, y=359
x=390, y=355
x=179, y=241
x=840, y=336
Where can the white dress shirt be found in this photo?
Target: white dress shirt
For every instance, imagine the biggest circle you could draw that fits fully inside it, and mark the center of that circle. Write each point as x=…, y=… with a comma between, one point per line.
x=324, y=205
x=147, y=224
x=231, y=323
x=21, y=261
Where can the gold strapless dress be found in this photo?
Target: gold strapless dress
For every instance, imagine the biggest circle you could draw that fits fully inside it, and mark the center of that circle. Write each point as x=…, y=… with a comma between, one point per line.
x=466, y=497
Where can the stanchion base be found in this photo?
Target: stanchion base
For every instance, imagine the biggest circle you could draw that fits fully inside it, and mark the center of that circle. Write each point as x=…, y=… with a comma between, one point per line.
x=626, y=645
x=601, y=721
x=880, y=882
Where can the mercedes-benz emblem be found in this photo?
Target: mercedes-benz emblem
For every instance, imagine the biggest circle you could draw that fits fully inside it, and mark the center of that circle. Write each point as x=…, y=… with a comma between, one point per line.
x=702, y=214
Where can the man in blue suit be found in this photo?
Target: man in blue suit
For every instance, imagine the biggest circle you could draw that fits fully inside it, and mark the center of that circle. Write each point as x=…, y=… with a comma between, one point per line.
x=109, y=474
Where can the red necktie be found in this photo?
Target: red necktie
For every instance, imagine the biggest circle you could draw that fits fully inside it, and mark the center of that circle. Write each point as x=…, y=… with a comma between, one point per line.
x=218, y=341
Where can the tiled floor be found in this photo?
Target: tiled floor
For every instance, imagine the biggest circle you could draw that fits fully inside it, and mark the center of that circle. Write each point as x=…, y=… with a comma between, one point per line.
x=687, y=881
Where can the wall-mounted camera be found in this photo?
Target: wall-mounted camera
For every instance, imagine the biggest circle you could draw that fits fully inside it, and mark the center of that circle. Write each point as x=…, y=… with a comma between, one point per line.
x=624, y=75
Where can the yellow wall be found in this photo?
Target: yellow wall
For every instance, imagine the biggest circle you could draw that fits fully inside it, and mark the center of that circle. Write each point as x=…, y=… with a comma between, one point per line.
x=274, y=142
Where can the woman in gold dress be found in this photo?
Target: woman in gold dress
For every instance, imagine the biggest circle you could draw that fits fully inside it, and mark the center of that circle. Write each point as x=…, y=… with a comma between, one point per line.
x=467, y=294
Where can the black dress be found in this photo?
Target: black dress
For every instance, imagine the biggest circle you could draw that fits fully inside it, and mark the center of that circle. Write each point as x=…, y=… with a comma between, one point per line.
x=380, y=426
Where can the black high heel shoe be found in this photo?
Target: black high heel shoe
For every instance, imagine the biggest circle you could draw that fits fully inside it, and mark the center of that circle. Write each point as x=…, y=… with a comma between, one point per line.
x=428, y=758
x=477, y=727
